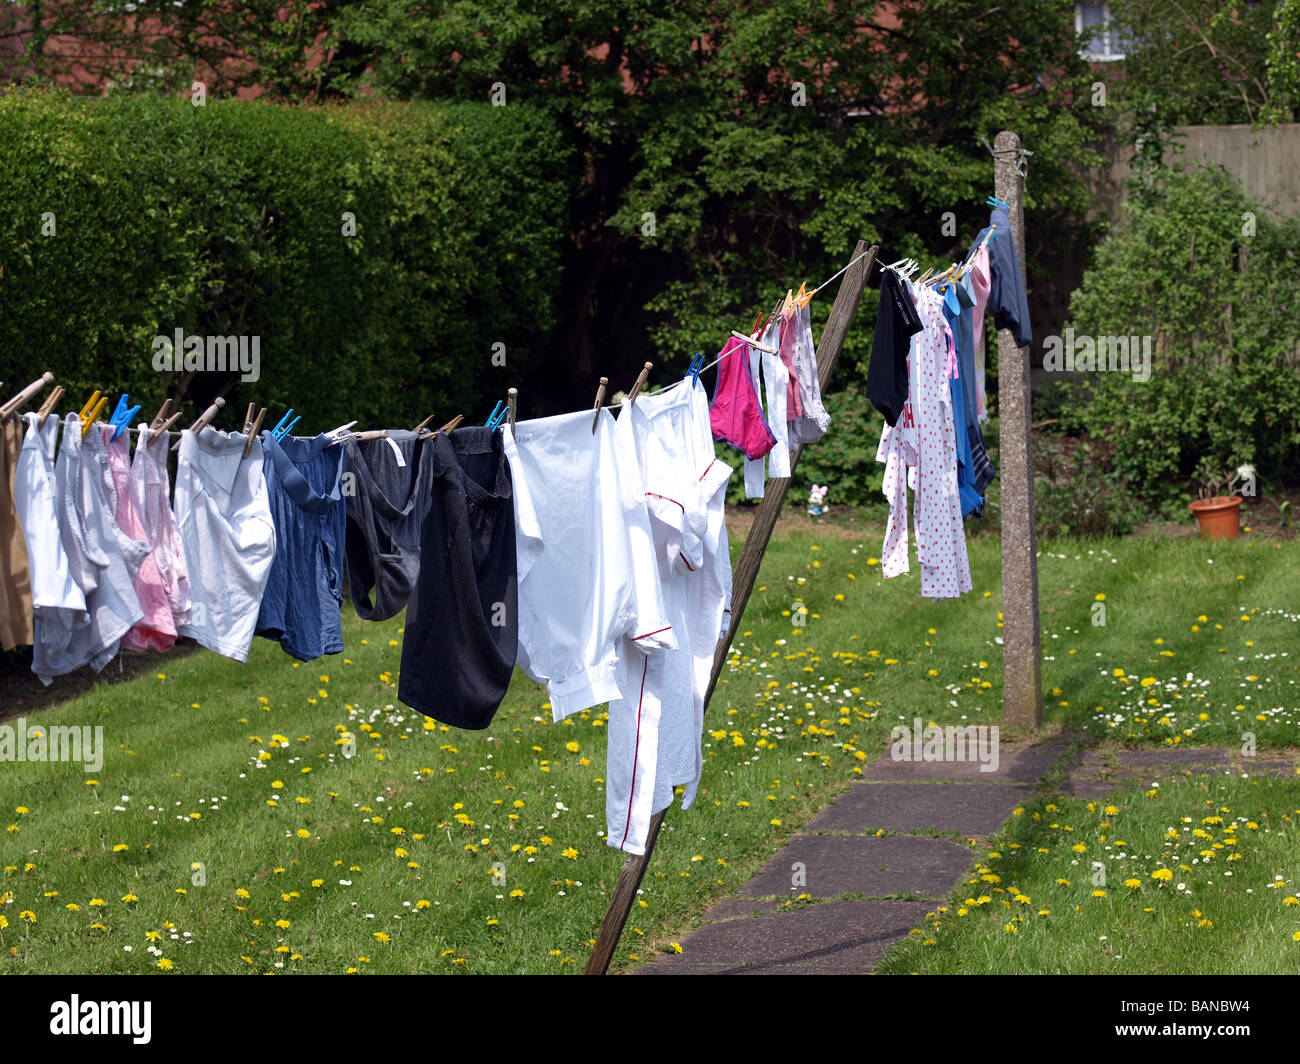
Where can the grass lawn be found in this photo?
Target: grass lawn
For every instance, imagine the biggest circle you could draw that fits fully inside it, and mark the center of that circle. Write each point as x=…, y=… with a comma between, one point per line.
x=433, y=850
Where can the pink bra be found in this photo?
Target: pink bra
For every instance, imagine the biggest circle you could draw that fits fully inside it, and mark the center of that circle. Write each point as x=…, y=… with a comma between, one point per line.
x=736, y=413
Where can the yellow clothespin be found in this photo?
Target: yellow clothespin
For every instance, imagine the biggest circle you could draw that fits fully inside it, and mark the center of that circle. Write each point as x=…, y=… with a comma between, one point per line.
x=90, y=419
x=90, y=405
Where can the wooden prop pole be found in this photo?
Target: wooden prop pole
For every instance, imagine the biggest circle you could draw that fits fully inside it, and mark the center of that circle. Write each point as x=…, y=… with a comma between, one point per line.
x=746, y=571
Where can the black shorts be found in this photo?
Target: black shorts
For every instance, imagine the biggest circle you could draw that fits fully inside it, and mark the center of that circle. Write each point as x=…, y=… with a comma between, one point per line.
x=462, y=624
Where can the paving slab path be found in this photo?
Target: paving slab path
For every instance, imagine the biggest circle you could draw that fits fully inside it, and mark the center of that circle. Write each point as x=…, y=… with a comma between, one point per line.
x=865, y=871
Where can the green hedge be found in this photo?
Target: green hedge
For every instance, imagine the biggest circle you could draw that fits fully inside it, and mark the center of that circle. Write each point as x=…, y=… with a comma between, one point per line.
x=229, y=219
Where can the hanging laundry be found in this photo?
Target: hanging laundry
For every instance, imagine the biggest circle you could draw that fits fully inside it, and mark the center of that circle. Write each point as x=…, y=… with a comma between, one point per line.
x=811, y=423
x=225, y=525
x=708, y=595
x=786, y=326
x=927, y=444
x=58, y=603
x=150, y=489
x=655, y=731
x=304, y=589
x=979, y=275
x=462, y=626
x=102, y=560
x=587, y=577
x=958, y=301
x=156, y=630
x=779, y=387
x=388, y=494
x=15, y=580
x=896, y=323
x=1007, y=288
x=736, y=414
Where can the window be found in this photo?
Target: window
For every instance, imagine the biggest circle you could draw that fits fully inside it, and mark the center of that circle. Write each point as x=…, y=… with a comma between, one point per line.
x=1103, y=41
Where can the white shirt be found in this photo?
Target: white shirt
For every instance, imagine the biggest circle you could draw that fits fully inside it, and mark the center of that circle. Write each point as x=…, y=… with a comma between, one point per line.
x=655, y=731
x=587, y=578
x=58, y=601
x=102, y=560
x=227, y=535
x=776, y=379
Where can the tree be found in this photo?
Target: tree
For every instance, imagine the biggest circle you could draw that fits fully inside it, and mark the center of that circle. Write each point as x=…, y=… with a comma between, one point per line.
x=1212, y=61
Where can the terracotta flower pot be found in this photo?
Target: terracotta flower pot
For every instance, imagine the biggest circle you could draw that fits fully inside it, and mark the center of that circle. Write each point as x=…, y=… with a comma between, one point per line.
x=1219, y=517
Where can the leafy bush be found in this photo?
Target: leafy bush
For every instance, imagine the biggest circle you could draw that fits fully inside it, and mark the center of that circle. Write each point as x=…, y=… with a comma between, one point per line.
x=844, y=459
x=1076, y=491
x=1209, y=277
x=126, y=218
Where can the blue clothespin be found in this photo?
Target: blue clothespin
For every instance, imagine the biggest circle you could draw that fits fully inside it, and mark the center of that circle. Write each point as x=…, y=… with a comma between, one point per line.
x=284, y=425
x=993, y=201
x=697, y=364
x=494, y=418
x=122, y=416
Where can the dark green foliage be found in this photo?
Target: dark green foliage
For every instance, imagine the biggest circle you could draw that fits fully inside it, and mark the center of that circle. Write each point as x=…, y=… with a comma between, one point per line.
x=1210, y=277
x=229, y=219
x=845, y=458
x=1076, y=491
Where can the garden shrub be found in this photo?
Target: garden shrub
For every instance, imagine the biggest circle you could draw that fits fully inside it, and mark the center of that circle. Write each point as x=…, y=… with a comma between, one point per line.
x=1209, y=276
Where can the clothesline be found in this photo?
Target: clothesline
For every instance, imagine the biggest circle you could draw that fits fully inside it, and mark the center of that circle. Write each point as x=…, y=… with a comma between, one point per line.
x=828, y=280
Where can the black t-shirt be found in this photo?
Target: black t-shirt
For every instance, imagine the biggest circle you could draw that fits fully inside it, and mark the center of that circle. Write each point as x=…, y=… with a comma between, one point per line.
x=896, y=323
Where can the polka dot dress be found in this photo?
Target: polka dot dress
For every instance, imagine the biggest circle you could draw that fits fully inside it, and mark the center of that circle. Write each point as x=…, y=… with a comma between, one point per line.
x=920, y=452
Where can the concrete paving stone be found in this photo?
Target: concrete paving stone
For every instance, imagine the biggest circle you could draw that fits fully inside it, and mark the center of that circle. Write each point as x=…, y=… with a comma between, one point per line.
x=1170, y=759
x=838, y=937
x=857, y=864
x=731, y=908
x=966, y=808
x=1024, y=764
x=1269, y=768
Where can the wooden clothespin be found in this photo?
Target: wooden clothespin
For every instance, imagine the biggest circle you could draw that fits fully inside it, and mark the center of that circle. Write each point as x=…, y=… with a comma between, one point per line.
x=754, y=343
x=163, y=427
x=252, y=432
x=90, y=418
x=159, y=417
x=12, y=406
x=600, y=398
x=636, y=388
x=369, y=434
x=512, y=404
x=446, y=429
x=248, y=417
x=204, y=418
x=422, y=424
x=50, y=403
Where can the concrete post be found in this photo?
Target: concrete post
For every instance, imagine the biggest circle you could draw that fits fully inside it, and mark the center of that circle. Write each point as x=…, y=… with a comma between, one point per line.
x=1022, y=656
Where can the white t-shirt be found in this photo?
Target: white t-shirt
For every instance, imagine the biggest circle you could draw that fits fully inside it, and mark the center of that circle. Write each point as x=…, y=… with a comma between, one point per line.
x=224, y=521
x=58, y=601
x=102, y=560
x=655, y=731
x=587, y=577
